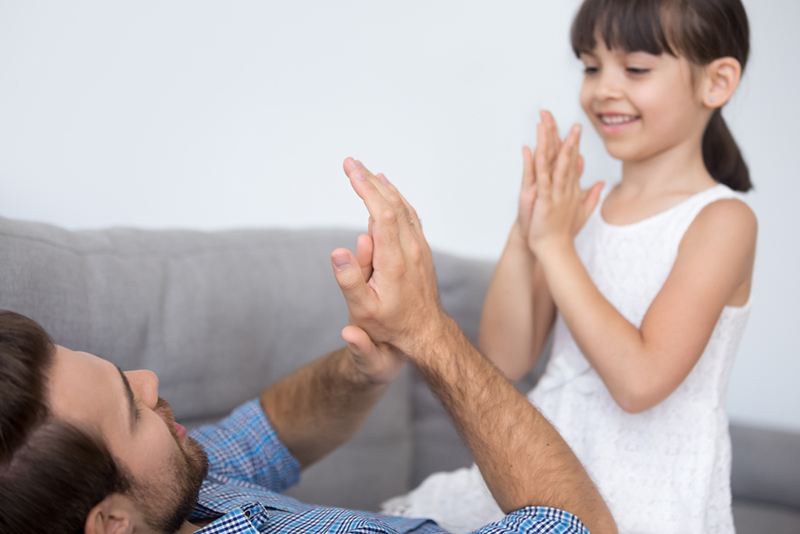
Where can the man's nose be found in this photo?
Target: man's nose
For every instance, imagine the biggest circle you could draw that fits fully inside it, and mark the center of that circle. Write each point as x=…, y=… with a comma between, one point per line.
x=144, y=384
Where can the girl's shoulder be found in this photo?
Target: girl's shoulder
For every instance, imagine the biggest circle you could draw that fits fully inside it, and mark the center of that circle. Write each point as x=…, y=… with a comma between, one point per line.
x=728, y=214
x=726, y=224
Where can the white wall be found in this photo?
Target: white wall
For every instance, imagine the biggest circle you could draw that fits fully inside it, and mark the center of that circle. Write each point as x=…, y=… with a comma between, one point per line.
x=211, y=114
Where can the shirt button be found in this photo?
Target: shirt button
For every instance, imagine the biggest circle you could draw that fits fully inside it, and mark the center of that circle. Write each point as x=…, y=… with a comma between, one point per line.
x=247, y=514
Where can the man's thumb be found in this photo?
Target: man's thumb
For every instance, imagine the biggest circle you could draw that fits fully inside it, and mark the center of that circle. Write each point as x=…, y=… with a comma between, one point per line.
x=360, y=343
x=350, y=279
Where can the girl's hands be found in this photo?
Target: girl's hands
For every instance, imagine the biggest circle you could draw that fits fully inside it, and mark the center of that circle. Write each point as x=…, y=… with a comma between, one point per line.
x=528, y=190
x=560, y=207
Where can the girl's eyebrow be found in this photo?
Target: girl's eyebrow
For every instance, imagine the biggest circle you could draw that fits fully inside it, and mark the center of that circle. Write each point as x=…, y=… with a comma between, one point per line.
x=131, y=400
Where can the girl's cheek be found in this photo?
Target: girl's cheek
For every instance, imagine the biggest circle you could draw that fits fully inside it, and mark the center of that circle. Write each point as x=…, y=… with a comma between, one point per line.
x=585, y=97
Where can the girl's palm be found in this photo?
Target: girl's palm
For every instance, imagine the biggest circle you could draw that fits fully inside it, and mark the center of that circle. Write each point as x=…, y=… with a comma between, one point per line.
x=560, y=208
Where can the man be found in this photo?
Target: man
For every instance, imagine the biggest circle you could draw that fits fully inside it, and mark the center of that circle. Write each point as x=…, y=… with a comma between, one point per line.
x=87, y=448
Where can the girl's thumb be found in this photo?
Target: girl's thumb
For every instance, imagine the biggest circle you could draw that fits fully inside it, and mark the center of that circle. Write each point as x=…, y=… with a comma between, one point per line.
x=592, y=197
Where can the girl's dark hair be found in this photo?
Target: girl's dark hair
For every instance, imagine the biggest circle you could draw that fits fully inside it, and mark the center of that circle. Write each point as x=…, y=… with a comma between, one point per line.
x=699, y=30
x=51, y=473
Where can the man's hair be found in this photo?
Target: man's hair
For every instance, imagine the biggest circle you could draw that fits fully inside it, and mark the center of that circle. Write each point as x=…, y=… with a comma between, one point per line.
x=51, y=473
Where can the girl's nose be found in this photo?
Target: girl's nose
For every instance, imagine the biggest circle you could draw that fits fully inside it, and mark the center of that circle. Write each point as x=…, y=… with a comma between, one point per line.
x=145, y=386
x=608, y=86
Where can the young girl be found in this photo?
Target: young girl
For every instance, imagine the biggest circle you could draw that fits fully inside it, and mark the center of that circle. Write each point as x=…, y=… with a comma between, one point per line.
x=645, y=283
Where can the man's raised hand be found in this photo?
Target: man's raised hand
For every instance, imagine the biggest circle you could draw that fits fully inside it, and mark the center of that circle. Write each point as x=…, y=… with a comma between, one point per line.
x=399, y=303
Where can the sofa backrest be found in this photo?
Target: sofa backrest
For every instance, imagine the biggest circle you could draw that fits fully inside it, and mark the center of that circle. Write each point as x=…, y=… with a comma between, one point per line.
x=218, y=316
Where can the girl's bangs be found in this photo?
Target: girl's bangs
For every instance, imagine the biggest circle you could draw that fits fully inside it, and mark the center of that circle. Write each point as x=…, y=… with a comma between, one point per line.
x=630, y=25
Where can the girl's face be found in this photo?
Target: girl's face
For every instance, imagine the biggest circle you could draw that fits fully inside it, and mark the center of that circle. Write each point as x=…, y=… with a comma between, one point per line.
x=641, y=105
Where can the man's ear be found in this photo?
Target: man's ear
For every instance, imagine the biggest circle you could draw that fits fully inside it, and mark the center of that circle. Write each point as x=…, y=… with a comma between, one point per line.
x=722, y=79
x=113, y=515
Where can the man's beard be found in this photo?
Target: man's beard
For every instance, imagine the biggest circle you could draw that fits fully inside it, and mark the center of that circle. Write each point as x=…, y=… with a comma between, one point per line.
x=166, y=508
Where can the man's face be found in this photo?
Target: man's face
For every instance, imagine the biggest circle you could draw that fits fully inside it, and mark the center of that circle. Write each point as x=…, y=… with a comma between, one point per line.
x=124, y=410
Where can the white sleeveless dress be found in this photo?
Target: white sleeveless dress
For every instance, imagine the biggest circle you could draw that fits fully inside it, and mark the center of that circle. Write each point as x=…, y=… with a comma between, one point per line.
x=663, y=471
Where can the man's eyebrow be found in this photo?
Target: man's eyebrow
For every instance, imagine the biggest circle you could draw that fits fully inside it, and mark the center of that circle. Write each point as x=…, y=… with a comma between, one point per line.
x=131, y=400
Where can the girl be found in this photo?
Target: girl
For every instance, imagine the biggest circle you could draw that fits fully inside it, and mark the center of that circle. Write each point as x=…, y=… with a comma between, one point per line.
x=645, y=284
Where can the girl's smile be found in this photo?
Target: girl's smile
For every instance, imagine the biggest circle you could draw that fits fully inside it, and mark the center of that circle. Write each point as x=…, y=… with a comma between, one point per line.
x=616, y=122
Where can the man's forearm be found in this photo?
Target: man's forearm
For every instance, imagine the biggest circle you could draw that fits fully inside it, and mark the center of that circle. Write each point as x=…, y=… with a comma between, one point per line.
x=522, y=458
x=320, y=406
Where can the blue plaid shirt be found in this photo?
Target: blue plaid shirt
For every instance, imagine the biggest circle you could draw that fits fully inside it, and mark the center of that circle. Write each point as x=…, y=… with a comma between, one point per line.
x=249, y=467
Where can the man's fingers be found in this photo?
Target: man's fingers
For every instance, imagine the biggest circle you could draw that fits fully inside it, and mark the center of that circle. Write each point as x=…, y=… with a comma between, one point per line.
x=364, y=250
x=410, y=213
x=396, y=230
x=362, y=173
x=359, y=342
x=365, y=186
x=347, y=271
x=384, y=214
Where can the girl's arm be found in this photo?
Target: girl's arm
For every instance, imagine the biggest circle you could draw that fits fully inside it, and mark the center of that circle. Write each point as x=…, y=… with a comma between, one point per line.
x=642, y=367
x=518, y=312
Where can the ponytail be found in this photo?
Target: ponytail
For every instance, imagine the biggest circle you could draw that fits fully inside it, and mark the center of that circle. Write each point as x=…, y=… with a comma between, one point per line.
x=722, y=157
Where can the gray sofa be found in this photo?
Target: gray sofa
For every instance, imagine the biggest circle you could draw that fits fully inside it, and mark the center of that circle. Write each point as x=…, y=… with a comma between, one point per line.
x=218, y=315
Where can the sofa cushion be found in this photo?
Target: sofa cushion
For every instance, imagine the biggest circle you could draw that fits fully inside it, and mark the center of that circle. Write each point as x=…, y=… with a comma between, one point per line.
x=752, y=517
x=765, y=465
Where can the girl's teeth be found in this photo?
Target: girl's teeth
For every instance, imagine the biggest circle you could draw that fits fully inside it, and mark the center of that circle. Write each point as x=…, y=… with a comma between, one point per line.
x=619, y=119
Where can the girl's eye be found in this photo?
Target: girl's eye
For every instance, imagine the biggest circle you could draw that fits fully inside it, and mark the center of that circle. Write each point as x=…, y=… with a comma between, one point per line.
x=590, y=70
x=637, y=70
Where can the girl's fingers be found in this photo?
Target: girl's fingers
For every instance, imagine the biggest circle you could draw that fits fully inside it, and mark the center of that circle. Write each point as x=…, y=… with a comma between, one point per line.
x=545, y=117
x=552, y=130
x=542, y=145
x=541, y=152
x=528, y=175
x=555, y=140
x=542, y=164
x=574, y=160
x=562, y=167
x=591, y=199
x=543, y=181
